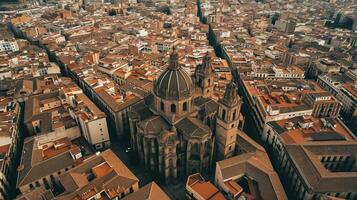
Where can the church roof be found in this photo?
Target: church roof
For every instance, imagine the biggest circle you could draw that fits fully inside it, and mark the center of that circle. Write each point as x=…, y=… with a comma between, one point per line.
x=206, y=105
x=150, y=191
x=193, y=128
x=154, y=124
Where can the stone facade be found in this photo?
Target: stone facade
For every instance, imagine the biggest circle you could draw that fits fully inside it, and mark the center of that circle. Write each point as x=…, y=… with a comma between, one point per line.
x=174, y=136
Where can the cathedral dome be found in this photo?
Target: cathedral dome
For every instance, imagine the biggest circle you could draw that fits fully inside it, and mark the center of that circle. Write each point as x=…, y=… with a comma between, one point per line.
x=174, y=83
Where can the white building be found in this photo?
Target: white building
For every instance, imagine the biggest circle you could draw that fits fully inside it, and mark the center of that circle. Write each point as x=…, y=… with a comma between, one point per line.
x=8, y=45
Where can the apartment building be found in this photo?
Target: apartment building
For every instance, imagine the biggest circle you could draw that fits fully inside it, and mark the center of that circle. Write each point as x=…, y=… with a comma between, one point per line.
x=44, y=159
x=283, y=99
x=9, y=145
x=314, y=156
x=344, y=88
x=99, y=176
x=67, y=113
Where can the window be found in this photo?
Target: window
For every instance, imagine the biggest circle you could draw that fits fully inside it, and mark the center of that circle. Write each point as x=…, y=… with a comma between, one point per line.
x=173, y=108
x=31, y=187
x=184, y=106
x=223, y=114
x=234, y=114
x=47, y=186
x=37, y=184
x=162, y=106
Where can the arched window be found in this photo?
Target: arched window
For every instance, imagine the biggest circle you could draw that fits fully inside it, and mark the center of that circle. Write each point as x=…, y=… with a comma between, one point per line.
x=184, y=106
x=173, y=108
x=223, y=114
x=162, y=106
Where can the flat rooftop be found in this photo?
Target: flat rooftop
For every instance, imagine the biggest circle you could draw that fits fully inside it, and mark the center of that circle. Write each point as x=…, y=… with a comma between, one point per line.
x=284, y=95
x=299, y=130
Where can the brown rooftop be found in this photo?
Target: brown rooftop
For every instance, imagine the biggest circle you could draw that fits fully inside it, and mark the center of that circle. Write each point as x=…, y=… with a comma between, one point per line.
x=150, y=191
x=204, y=188
x=101, y=169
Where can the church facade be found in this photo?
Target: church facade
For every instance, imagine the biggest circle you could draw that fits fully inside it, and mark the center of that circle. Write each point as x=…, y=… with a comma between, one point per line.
x=183, y=130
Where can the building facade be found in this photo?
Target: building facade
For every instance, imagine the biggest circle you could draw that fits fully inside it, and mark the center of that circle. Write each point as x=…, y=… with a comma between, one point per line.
x=174, y=136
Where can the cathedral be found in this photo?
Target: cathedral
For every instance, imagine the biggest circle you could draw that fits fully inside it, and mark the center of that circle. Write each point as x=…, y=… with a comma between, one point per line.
x=183, y=130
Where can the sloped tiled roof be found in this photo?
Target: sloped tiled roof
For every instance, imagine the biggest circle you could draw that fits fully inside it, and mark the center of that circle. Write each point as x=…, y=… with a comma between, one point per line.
x=150, y=191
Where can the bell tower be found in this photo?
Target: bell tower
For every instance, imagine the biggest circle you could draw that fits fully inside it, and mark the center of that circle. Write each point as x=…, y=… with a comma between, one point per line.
x=227, y=122
x=204, y=75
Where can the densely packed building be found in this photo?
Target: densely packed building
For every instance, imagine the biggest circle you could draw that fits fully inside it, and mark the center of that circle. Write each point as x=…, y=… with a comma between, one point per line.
x=170, y=87
x=67, y=112
x=10, y=149
x=283, y=99
x=271, y=47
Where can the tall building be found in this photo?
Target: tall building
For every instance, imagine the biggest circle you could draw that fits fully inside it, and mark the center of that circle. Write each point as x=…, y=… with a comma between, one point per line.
x=174, y=137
